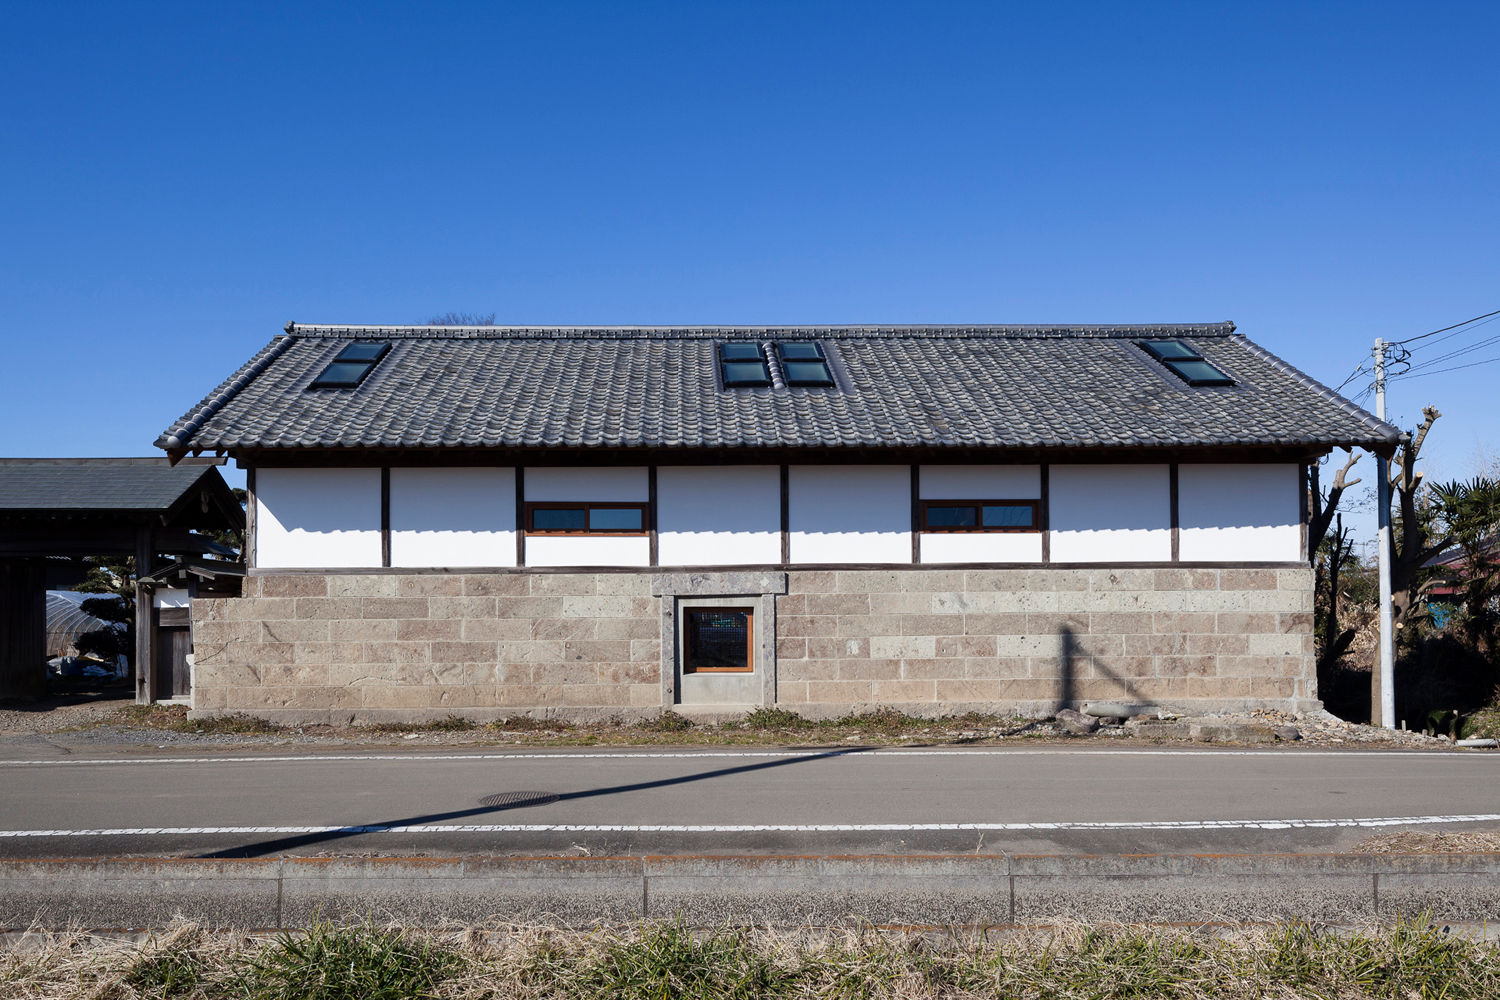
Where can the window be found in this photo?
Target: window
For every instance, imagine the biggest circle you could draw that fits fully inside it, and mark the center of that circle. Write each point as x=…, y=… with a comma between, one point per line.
x=586, y=519
x=349, y=368
x=803, y=363
x=743, y=365
x=979, y=515
x=718, y=640
x=1186, y=363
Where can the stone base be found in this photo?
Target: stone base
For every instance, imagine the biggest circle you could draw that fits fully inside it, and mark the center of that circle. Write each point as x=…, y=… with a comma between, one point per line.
x=600, y=646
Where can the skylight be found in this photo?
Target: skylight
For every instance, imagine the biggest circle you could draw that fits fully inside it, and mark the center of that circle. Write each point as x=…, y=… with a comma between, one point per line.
x=350, y=367
x=1186, y=363
x=743, y=365
x=803, y=363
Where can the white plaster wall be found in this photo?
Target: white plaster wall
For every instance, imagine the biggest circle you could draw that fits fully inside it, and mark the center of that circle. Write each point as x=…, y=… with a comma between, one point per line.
x=1239, y=513
x=575, y=550
x=850, y=513
x=453, y=517
x=171, y=597
x=718, y=515
x=980, y=482
x=317, y=518
x=602, y=483
x=1108, y=513
x=982, y=547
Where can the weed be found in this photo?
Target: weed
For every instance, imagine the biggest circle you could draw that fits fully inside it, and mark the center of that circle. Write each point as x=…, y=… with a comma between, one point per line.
x=775, y=718
x=667, y=722
x=451, y=724
x=341, y=963
x=174, y=718
x=171, y=972
x=526, y=724
x=670, y=962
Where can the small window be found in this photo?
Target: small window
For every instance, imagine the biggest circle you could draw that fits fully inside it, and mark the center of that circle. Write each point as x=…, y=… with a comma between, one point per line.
x=350, y=367
x=718, y=640
x=803, y=363
x=1186, y=363
x=939, y=516
x=743, y=365
x=586, y=519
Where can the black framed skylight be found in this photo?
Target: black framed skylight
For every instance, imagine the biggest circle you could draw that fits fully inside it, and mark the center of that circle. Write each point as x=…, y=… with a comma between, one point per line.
x=803, y=363
x=1186, y=363
x=351, y=365
x=743, y=365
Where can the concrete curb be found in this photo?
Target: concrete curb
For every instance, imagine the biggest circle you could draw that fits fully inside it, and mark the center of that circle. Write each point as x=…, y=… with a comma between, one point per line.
x=925, y=890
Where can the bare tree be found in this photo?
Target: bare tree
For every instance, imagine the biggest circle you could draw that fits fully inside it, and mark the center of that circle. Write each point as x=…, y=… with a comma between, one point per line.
x=1323, y=506
x=461, y=319
x=1414, y=544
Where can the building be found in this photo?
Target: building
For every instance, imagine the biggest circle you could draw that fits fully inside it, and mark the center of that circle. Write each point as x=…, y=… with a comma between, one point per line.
x=160, y=514
x=592, y=522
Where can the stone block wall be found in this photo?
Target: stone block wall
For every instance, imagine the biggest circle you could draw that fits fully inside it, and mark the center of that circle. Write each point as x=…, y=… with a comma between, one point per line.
x=304, y=648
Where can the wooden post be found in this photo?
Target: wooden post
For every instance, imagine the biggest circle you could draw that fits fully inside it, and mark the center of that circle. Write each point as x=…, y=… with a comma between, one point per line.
x=145, y=634
x=23, y=628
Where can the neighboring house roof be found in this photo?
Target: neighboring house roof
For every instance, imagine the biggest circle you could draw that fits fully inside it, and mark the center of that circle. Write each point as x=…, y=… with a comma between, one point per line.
x=952, y=387
x=129, y=488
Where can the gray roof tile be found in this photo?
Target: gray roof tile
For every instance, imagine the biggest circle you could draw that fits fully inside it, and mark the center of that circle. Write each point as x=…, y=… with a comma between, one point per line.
x=934, y=387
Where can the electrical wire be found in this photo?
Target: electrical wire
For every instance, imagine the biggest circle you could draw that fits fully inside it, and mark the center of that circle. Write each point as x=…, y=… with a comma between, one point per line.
x=1478, y=345
x=1455, y=326
x=1471, y=364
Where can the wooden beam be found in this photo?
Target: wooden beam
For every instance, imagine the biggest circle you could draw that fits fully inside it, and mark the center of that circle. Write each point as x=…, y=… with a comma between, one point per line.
x=520, y=516
x=786, y=516
x=916, y=514
x=651, y=511
x=1044, y=516
x=385, y=515
x=249, y=553
x=145, y=634
x=1176, y=528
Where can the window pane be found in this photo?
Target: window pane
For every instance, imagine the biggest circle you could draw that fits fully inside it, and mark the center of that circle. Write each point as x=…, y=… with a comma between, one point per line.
x=1007, y=516
x=616, y=519
x=558, y=519
x=746, y=373
x=716, y=640
x=951, y=517
x=740, y=352
x=341, y=374
x=1200, y=373
x=797, y=350
x=363, y=352
x=1166, y=350
x=807, y=373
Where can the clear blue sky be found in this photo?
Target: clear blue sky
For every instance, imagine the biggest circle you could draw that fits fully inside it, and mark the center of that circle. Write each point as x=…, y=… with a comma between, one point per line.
x=181, y=180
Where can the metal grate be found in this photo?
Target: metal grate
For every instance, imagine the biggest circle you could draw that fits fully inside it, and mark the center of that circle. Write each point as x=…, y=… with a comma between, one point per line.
x=518, y=800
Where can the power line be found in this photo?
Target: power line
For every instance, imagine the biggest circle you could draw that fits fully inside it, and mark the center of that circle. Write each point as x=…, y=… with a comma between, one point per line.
x=1458, y=353
x=1455, y=368
x=1455, y=326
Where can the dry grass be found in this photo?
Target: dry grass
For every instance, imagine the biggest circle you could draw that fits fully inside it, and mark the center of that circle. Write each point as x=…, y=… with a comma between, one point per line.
x=173, y=718
x=1412, y=959
x=1475, y=842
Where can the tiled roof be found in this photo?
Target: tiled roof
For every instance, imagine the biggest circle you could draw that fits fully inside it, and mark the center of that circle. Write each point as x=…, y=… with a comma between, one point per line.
x=96, y=484
x=653, y=387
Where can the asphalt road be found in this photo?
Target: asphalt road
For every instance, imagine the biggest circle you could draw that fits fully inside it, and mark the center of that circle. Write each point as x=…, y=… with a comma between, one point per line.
x=614, y=802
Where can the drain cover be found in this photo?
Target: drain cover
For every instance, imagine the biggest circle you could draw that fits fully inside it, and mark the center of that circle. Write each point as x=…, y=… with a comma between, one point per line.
x=515, y=800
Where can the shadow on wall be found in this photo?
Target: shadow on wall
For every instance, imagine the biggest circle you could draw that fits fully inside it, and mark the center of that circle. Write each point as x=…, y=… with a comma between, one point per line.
x=1071, y=658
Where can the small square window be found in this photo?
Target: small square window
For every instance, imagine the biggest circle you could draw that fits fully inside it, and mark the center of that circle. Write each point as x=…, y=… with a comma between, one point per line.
x=1199, y=373
x=1009, y=515
x=799, y=350
x=559, y=519
x=718, y=640
x=746, y=373
x=341, y=375
x=960, y=516
x=807, y=373
x=740, y=352
x=1169, y=350
x=363, y=352
x=939, y=516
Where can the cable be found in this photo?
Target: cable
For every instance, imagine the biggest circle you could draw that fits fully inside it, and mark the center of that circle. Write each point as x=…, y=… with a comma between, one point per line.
x=1352, y=376
x=1456, y=333
x=1458, y=353
x=1471, y=364
x=1445, y=329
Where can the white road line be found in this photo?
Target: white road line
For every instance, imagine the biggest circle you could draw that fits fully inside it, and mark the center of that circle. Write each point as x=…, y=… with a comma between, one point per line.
x=853, y=753
x=1167, y=825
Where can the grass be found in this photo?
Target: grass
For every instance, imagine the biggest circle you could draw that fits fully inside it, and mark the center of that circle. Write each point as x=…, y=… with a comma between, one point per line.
x=1413, y=958
x=1483, y=724
x=173, y=718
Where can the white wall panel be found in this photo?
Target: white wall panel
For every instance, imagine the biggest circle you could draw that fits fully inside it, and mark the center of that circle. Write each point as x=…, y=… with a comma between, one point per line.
x=850, y=513
x=317, y=518
x=1240, y=513
x=575, y=550
x=980, y=482
x=602, y=483
x=718, y=515
x=982, y=547
x=453, y=517
x=1108, y=513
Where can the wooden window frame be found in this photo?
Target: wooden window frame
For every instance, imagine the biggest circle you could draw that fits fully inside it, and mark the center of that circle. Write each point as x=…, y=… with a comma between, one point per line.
x=587, y=506
x=979, y=528
x=744, y=609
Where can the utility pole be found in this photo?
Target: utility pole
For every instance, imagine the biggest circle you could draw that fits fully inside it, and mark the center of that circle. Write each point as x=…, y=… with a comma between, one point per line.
x=1383, y=543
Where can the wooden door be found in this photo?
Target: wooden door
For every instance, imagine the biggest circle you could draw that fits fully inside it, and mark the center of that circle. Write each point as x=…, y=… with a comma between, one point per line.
x=172, y=672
